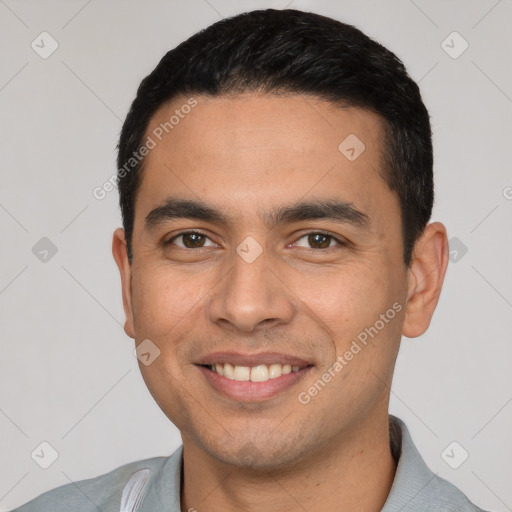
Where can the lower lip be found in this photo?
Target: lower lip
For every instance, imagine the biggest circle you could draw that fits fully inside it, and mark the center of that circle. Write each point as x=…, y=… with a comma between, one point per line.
x=249, y=391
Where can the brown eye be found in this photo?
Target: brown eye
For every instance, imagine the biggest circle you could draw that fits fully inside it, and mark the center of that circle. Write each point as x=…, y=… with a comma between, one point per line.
x=189, y=240
x=319, y=241
x=193, y=240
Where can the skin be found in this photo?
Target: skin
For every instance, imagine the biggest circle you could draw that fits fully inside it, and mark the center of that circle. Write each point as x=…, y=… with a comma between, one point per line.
x=246, y=154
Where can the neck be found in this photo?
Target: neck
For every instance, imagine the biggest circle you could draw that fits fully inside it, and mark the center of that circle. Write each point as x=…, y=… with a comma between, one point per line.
x=353, y=472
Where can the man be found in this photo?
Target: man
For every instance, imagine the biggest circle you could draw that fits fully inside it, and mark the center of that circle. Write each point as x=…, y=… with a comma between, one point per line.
x=275, y=178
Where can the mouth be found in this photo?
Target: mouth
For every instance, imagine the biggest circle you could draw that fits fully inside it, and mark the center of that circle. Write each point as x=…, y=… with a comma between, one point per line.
x=252, y=377
x=259, y=373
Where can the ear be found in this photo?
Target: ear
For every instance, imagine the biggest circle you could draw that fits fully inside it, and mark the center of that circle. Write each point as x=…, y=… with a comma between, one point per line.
x=425, y=279
x=120, y=253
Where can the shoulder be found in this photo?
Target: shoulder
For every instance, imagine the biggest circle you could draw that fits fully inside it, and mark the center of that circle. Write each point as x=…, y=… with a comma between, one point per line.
x=442, y=495
x=415, y=486
x=103, y=492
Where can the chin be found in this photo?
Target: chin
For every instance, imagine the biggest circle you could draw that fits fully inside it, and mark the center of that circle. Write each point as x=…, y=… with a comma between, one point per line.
x=257, y=454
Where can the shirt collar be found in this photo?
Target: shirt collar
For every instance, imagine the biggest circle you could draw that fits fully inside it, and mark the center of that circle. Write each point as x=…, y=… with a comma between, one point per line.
x=411, y=478
x=412, y=474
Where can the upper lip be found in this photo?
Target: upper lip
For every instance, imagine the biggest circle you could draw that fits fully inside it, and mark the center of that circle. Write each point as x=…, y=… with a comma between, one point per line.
x=240, y=359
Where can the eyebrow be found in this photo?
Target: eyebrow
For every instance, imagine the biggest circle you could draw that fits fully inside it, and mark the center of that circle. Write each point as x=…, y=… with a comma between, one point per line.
x=335, y=210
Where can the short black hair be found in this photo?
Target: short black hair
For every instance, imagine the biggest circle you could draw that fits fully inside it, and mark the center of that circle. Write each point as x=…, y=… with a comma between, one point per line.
x=291, y=51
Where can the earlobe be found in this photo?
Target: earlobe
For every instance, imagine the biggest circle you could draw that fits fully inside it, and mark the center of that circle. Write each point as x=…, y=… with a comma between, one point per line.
x=425, y=279
x=120, y=253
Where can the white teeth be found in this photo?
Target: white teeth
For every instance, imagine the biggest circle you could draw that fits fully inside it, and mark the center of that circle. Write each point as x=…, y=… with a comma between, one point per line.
x=229, y=371
x=242, y=373
x=260, y=373
x=274, y=370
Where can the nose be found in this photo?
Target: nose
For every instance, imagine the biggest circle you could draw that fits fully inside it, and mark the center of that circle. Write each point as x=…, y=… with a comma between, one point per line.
x=251, y=296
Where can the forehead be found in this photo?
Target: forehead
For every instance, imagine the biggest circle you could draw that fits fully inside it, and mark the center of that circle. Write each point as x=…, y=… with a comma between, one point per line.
x=252, y=150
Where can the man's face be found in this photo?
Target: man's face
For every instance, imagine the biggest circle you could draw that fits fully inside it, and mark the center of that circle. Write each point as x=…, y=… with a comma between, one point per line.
x=262, y=289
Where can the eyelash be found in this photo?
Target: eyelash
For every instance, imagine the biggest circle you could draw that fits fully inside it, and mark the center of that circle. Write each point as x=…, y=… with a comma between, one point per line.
x=340, y=243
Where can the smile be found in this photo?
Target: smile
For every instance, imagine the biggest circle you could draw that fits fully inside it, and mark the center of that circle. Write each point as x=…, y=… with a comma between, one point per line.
x=252, y=378
x=260, y=373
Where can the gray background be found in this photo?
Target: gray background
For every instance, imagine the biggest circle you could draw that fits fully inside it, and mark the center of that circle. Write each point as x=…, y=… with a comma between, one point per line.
x=68, y=373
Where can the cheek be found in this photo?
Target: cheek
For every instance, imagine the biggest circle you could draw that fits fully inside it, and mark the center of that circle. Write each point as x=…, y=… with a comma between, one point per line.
x=347, y=300
x=164, y=300
x=166, y=304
